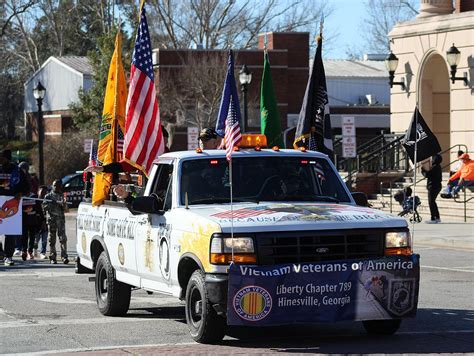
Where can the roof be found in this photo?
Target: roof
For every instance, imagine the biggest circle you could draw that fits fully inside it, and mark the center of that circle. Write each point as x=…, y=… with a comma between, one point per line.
x=80, y=64
x=242, y=153
x=353, y=68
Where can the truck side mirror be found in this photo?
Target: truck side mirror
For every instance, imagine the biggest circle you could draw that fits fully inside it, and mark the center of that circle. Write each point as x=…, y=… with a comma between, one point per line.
x=147, y=205
x=360, y=199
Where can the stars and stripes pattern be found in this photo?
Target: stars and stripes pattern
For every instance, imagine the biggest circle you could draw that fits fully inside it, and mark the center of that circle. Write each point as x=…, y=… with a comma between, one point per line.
x=93, y=155
x=143, y=133
x=243, y=213
x=120, y=142
x=233, y=135
x=227, y=125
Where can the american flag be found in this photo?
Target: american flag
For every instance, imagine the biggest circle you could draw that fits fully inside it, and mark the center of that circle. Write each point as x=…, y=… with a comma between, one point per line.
x=120, y=140
x=229, y=112
x=143, y=134
x=93, y=155
x=243, y=213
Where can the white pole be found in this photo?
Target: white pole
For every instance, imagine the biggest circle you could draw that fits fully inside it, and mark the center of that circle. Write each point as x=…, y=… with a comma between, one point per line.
x=231, y=209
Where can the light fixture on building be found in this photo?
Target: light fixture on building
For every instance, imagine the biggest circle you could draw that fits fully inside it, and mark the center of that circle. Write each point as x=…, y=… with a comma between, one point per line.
x=245, y=78
x=391, y=62
x=39, y=93
x=453, y=56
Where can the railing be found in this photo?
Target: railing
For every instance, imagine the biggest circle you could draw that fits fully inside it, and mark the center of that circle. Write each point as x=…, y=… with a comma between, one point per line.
x=465, y=201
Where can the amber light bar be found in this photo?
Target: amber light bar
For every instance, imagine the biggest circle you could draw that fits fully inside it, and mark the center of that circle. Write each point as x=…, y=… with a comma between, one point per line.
x=226, y=258
x=398, y=251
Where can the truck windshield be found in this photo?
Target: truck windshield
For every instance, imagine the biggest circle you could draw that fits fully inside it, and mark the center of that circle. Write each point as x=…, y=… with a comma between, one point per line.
x=256, y=179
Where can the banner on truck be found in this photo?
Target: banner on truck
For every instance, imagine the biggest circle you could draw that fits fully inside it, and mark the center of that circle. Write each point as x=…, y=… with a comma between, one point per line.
x=384, y=288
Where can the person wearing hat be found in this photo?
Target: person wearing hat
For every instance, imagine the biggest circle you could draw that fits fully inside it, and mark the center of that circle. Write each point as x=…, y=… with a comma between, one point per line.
x=462, y=178
x=209, y=139
x=433, y=185
x=13, y=182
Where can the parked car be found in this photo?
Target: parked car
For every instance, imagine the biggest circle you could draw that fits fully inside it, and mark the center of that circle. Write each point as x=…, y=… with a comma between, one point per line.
x=73, y=186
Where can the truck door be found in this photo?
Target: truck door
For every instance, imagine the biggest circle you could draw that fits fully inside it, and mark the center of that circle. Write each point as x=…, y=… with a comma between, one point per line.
x=153, y=246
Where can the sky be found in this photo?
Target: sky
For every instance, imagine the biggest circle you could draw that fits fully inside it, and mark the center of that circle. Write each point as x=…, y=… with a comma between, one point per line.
x=345, y=21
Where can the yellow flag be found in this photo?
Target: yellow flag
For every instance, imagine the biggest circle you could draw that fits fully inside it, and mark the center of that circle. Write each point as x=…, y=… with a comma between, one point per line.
x=113, y=121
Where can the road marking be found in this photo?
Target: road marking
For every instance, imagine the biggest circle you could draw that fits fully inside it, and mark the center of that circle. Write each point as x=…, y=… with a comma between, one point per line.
x=65, y=300
x=447, y=269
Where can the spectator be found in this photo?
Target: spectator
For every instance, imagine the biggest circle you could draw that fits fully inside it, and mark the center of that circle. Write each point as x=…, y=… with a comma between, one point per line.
x=456, y=165
x=433, y=184
x=462, y=178
x=43, y=227
x=209, y=140
x=12, y=183
x=32, y=213
x=55, y=207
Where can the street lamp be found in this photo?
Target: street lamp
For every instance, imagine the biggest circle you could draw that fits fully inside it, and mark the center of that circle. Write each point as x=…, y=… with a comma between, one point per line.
x=245, y=77
x=453, y=56
x=391, y=62
x=38, y=93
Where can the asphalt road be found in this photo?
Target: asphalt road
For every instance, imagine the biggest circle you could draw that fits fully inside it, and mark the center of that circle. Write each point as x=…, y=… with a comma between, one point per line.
x=49, y=309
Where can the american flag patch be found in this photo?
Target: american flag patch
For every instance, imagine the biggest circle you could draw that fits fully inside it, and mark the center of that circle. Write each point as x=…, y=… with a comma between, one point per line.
x=243, y=213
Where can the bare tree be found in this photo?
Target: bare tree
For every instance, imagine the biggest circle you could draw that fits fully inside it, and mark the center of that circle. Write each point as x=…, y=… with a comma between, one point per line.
x=229, y=23
x=190, y=95
x=381, y=16
x=18, y=8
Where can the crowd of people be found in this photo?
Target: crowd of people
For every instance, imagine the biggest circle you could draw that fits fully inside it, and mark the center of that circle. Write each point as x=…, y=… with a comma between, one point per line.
x=42, y=214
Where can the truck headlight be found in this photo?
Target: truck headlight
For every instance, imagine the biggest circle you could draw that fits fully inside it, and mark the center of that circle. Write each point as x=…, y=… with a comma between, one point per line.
x=397, y=243
x=221, y=250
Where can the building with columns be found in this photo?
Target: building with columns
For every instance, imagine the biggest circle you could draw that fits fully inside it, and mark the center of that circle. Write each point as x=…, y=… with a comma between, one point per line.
x=421, y=46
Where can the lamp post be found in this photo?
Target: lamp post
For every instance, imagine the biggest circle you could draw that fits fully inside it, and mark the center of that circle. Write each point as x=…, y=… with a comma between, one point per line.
x=391, y=62
x=38, y=93
x=245, y=77
x=453, y=56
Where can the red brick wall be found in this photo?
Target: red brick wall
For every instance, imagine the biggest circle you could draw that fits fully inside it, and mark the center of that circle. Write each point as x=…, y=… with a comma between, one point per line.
x=464, y=5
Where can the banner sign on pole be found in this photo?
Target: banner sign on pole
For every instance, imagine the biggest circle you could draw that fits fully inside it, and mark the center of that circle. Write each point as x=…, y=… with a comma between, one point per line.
x=374, y=289
x=10, y=215
x=349, y=147
x=193, y=134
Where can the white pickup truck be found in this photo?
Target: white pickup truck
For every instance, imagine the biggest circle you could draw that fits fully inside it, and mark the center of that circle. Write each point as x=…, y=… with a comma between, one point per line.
x=290, y=209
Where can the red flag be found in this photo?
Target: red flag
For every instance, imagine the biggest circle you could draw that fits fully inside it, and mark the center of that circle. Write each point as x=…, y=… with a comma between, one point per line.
x=143, y=134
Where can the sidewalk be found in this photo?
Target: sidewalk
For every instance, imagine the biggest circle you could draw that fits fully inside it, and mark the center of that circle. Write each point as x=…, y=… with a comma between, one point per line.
x=445, y=234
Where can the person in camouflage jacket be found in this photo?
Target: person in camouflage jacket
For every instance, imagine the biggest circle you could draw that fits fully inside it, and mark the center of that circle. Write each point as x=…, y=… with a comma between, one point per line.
x=54, y=207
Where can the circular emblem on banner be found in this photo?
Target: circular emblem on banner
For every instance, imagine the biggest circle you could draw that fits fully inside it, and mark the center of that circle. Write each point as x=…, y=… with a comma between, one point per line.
x=121, y=254
x=84, y=242
x=252, y=303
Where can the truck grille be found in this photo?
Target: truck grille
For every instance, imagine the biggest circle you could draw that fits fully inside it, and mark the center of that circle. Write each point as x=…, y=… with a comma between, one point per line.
x=315, y=246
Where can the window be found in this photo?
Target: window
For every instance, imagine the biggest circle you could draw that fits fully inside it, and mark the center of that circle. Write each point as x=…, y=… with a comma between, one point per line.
x=206, y=181
x=162, y=185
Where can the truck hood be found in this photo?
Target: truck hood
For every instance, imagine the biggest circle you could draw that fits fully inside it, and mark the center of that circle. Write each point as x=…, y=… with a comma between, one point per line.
x=296, y=216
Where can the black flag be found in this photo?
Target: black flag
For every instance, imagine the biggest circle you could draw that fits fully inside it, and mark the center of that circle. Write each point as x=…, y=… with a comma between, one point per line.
x=314, y=123
x=426, y=142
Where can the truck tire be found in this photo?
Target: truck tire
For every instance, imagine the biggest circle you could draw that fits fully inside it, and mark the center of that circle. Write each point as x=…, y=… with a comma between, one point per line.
x=205, y=326
x=80, y=269
x=113, y=297
x=382, y=327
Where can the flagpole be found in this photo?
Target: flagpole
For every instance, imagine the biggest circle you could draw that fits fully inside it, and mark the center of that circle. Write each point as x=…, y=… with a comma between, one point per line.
x=231, y=208
x=414, y=177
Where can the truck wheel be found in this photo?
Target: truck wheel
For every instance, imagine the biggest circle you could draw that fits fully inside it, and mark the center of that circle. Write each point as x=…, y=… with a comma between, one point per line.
x=113, y=297
x=382, y=327
x=80, y=269
x=205, y=326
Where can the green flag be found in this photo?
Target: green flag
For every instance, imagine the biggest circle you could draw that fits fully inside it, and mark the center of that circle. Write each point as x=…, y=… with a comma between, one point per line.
x=269, y=116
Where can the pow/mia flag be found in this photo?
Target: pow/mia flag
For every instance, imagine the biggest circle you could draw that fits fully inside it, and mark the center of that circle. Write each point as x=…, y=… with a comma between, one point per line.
x=314, y=123
x=420, y=136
